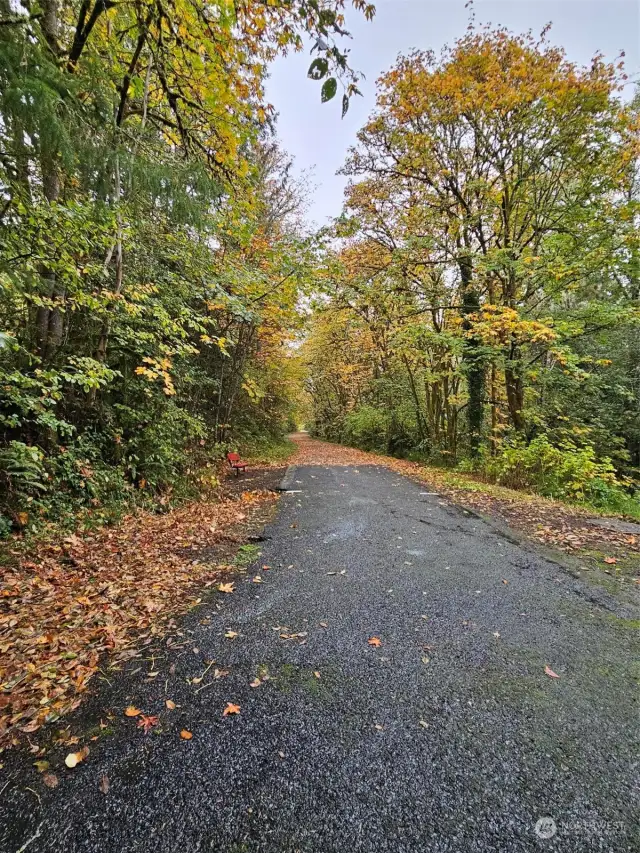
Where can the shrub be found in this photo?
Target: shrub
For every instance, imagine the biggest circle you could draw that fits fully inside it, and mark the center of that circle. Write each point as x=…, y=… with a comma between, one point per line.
x=367, y=427
x=22, y=474
x=564, y=471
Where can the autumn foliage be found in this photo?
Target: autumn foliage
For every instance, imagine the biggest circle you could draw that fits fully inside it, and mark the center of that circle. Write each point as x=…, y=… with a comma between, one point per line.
x=483, y=292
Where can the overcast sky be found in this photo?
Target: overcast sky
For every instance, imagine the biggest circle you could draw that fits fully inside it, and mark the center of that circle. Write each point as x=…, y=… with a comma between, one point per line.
x=317, y=137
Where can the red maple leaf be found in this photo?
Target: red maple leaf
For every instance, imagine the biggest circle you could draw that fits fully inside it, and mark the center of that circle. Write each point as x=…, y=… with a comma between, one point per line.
x=147, y=722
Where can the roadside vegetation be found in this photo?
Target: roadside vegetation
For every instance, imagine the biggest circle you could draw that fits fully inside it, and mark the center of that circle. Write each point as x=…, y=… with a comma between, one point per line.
x=481, y=310
x=152, y=247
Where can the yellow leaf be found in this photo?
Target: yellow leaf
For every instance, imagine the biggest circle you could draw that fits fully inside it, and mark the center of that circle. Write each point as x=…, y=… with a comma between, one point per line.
x=75, y=758
x=185, y=735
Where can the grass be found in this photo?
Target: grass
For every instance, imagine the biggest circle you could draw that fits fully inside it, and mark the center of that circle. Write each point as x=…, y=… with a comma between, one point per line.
x=246, y=555
x=267, y=449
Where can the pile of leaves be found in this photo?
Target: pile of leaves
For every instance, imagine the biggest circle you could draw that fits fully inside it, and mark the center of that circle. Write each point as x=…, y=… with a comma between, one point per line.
x=550, y=522
x=101, y=594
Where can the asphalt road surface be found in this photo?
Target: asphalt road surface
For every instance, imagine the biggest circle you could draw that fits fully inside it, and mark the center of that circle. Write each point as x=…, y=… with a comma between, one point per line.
x=447, y=736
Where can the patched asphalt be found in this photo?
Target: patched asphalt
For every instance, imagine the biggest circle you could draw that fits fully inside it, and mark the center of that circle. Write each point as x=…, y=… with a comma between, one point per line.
x=449, y=736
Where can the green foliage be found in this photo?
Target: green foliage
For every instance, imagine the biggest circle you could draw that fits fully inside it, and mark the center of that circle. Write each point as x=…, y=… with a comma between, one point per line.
x=23, y=473
x=329, y=89
x=151, y=251
x=266, y=448
x=367, y=427
x=563, y=471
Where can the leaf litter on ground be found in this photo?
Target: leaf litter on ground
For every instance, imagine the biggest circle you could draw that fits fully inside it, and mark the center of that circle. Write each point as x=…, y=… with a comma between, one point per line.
x=104, y=593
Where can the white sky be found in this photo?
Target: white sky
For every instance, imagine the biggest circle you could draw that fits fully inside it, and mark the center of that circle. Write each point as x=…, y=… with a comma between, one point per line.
x=317, y=137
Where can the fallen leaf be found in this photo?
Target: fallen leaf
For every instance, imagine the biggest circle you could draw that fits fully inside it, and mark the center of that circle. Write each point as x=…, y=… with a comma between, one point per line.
x=317, y=674
x=255, y=683
x=323, y=624
x=231, y=635
x=550, y=672
x=147, y=722
x=50, y=780
x=374, y=641
x=610, y=560
x=423, y=723
x=496, y=633
x=424, y=659
x=505, y=581
x=132, y=711
x=75, y=758
x=379, y=727
x=171, y=705
x=226, y=587
x=185, y=735
x=258, y=579
x=104, y=783
x=41, y=766
x=231, y=709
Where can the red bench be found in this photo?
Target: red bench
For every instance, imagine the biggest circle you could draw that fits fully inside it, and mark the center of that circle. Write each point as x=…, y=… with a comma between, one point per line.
x=236, y=463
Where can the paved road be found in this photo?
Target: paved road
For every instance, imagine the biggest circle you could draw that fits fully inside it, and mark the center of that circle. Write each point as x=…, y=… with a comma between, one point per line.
x=449, y=736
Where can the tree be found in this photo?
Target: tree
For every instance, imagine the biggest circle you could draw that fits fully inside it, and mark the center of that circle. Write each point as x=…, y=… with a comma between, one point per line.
x=503, y=146
x=150, y=256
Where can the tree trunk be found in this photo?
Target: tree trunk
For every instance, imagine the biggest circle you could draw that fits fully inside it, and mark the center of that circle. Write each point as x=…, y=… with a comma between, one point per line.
x=49, y=322
x=473, y=360
x=416, y=399
x=515, y=394
x=101, y=351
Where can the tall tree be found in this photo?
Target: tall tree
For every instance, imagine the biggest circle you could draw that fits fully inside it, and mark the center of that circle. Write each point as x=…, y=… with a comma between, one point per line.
x=504, y=144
